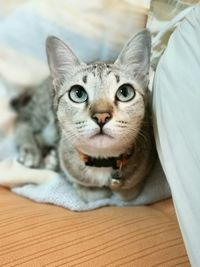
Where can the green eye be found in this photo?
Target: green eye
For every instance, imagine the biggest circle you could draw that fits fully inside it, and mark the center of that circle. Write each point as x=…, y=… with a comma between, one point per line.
x=78, y=94
x=125, y=93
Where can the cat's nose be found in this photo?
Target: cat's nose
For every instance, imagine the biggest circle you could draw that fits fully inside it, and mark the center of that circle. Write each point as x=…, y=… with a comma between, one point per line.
x=101, y=118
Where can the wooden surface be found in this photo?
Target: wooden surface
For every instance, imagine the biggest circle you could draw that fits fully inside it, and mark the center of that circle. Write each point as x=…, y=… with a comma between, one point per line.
x=33, y=234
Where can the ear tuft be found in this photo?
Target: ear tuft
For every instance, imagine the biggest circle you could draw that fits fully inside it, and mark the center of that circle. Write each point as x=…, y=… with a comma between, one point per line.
x=61, y=58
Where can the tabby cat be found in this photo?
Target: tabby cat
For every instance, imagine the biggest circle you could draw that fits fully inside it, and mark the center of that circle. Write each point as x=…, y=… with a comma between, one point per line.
x=95, y=118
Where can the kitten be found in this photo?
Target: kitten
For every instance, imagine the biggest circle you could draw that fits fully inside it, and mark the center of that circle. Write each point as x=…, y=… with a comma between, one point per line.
x=96, y=116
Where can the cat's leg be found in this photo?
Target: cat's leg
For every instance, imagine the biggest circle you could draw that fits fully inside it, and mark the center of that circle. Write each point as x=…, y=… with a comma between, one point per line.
x=154, y=188
x=29, y=152
x=15, y=174
x=92, y=193
x=51, y=161
x=128, y=194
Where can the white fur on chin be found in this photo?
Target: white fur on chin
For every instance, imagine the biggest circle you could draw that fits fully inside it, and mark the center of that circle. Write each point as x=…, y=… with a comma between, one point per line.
x=102, y=146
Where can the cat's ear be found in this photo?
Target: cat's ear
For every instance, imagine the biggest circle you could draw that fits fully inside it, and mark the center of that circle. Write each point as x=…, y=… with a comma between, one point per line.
x=135, y=56
x=61, y=59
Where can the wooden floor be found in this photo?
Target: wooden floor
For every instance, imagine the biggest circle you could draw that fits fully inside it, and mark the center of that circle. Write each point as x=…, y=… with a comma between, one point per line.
x=33, y=234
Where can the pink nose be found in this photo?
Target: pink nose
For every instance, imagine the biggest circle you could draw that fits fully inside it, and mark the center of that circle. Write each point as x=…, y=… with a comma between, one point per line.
x=101, y=118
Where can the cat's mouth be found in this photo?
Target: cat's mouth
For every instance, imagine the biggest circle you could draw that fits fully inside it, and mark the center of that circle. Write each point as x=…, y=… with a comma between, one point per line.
x=101, y=135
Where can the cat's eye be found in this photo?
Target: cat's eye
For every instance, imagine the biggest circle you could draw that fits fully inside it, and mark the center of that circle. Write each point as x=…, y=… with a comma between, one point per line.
x=125, y=93
x=78, y=94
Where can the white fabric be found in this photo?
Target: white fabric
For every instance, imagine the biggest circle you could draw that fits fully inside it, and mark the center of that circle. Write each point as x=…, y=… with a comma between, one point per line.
x=177, y=125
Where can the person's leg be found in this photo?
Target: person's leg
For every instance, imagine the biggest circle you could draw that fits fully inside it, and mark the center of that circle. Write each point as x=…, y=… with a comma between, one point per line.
x=176, y=104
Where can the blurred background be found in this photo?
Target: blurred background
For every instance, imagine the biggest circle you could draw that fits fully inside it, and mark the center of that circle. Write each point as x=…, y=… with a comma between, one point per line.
x=95, y=29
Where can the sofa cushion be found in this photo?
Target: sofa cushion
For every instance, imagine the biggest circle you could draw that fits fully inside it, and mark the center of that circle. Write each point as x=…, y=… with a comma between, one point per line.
x=33, y=234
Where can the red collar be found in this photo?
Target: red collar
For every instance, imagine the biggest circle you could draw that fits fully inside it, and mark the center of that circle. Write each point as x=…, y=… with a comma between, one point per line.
x=114, y=162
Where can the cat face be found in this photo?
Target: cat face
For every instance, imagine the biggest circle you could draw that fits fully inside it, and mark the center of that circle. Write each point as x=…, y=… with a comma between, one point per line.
x=100, y=107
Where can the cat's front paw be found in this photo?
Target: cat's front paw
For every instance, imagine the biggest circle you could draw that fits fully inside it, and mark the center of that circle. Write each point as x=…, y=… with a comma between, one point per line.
x=89, y=194
x=51, y=160
x=30, y=156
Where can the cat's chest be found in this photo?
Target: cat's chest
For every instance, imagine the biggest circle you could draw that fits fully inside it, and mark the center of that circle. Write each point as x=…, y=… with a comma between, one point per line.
x=89, y=176
x=98, y=176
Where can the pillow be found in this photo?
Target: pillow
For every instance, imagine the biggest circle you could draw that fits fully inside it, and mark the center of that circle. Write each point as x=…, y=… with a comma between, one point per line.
x=176, y=104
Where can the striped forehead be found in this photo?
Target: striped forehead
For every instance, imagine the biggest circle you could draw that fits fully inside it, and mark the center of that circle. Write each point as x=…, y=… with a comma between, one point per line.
x=100, y=71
